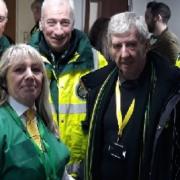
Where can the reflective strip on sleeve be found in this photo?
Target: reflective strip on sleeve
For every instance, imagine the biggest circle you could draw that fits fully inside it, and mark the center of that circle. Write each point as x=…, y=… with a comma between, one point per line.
x=72, y=108
x=95, y=58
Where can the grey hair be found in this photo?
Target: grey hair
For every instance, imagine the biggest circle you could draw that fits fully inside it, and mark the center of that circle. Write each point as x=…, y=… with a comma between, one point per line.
x=48, y=3
x=3, y=3
x=18, y=53
x=123, y=22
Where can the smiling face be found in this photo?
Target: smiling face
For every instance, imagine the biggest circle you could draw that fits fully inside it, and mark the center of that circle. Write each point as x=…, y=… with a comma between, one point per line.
x=129, y=53
x=24, y=81
x=57, y=25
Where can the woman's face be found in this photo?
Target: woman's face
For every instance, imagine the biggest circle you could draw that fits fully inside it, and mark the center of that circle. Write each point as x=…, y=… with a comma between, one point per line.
x=24, y=81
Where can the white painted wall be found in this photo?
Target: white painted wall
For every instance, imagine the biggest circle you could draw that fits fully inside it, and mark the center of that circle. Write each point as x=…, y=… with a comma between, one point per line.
x=24, y=20
x=139, y=7
x=80, y=13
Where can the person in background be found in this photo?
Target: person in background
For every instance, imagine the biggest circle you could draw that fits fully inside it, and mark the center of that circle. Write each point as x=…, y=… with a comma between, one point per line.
x=98, y=36
x=4, y=43
x=68, y=55
x=29, y=144
x=163, y=41
x=36, y=10
x=133, y=109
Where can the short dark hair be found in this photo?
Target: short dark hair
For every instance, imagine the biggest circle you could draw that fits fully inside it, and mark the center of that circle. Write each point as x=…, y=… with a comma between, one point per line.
x=151, y=4
x=160, y=8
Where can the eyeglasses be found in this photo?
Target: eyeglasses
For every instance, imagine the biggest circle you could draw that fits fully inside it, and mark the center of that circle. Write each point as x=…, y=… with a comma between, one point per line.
x=2, y=19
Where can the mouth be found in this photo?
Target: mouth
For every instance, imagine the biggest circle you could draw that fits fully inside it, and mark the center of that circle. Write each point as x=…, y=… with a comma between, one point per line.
x=29, y=87
x=126, y=63
x=58, y=39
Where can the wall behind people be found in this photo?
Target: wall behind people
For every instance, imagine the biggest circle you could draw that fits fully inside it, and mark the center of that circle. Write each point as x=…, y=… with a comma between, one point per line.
x=139, y=7
x=24, y=20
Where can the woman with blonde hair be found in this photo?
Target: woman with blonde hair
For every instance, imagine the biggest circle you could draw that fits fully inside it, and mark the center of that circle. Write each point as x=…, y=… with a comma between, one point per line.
x=29, y=144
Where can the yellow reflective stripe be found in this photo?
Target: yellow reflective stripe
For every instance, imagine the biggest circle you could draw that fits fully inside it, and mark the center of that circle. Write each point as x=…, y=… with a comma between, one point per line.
x=101, y=60
x=75, y=57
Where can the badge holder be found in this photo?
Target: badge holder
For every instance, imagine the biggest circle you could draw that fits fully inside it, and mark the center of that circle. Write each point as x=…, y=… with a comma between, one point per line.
x=117, y=150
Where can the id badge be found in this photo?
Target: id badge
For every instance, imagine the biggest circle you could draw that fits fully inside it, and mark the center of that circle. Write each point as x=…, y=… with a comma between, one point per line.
x=117, y=151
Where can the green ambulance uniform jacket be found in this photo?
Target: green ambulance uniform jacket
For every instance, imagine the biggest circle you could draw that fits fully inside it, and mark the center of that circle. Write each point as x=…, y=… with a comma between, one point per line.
x=4, y=44
x=19, y=156
x=64, y=71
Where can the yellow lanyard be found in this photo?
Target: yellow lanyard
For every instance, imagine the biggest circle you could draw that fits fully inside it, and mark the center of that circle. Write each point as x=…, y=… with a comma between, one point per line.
x=122, y=122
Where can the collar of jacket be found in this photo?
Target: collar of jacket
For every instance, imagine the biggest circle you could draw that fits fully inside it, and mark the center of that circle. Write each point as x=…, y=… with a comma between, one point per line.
x=4, y=44
x=79, y=47
x=100, y=75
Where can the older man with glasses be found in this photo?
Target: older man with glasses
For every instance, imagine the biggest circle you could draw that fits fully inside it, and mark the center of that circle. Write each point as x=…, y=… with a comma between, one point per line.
x=4, y=42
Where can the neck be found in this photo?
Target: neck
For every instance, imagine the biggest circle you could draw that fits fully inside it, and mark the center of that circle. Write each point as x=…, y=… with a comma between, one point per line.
x=159, y=29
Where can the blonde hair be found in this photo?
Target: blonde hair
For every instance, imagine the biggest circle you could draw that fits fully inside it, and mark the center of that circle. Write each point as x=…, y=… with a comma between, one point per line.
x=17, y=53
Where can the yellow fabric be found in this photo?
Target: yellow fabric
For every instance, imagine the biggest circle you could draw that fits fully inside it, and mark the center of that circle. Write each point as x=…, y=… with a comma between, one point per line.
x=32, y=127
x=178, y=62
x=70, y=123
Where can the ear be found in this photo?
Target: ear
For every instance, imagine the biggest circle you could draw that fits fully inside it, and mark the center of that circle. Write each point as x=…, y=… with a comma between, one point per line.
x=158, y=17
x=40, y=25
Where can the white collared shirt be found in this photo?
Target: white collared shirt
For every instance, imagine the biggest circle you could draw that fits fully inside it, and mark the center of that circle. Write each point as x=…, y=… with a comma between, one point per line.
x=19, y=108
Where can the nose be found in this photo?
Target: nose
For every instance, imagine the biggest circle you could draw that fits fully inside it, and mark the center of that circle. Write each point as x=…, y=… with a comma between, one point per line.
x=124, y=51
x=29, y=73
x=58, y=29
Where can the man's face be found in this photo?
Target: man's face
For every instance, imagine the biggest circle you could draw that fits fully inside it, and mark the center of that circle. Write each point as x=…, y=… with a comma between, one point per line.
x=150, y=20
x=24, y=81
x=3, y=19
x=57, y=26
x=36, y=10
x=129, y=53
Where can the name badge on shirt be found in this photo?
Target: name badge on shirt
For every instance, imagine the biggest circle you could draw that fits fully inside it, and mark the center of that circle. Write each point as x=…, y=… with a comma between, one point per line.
x=117, y=151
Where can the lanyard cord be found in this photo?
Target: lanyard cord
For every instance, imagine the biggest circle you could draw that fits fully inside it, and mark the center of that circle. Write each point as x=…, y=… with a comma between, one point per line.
x=122, y=122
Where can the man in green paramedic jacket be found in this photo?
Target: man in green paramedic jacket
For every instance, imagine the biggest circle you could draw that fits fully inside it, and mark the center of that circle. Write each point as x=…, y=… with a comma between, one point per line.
x=68, y=56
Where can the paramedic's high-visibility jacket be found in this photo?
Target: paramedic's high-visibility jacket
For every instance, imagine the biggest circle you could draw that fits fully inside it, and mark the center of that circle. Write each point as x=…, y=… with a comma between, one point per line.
x=67, y=94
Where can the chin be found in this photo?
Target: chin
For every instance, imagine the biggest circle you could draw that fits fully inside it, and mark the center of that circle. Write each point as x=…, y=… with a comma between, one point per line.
x=130, y=76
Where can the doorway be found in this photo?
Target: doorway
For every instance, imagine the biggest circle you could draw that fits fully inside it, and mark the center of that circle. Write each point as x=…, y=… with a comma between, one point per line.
x=103, y=8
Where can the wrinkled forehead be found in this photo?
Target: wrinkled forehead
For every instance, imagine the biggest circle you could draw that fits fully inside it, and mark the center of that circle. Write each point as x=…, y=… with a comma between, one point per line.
x=56, y=12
